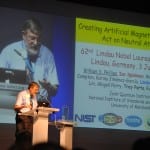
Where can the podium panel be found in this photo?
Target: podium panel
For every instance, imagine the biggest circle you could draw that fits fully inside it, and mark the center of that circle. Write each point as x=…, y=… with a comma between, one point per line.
x=40, y=128
x=66, y=135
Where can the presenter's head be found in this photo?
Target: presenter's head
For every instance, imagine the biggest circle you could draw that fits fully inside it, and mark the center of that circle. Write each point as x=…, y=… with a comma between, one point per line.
x=33, y=88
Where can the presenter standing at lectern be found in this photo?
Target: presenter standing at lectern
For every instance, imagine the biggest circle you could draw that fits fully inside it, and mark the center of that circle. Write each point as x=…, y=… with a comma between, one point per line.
x=26, y=100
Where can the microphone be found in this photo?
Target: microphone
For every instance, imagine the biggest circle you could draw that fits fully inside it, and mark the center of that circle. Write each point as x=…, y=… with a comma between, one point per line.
x=18, y=53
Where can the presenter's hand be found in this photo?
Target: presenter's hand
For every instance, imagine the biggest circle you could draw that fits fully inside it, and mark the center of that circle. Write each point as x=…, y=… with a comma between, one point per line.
x=44, y=84
x=51, y=89
x=27, y=106
x=18, y=108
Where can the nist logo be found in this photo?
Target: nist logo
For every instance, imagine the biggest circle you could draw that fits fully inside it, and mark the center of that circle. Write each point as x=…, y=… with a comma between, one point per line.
x=84, y=118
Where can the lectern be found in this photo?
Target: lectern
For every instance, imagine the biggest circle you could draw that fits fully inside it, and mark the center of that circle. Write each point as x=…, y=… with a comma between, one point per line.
x=40, y=123
x=66, y=133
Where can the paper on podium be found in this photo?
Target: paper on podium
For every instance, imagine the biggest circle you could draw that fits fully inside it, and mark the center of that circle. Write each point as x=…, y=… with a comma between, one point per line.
x=28, y=113
x=45, y=111
x=40, y=111
x=23, y=110
x=48, y=109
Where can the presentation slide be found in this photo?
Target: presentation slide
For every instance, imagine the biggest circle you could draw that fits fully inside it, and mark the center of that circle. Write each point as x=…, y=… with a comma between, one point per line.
x=103, y=70
x=112, y=75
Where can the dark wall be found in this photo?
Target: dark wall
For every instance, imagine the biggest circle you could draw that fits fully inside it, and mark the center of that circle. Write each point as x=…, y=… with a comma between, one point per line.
x=89, y=139
x=60, y=7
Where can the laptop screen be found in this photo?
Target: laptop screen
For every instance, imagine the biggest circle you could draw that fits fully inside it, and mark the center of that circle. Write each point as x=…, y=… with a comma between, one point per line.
x=12, y=76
